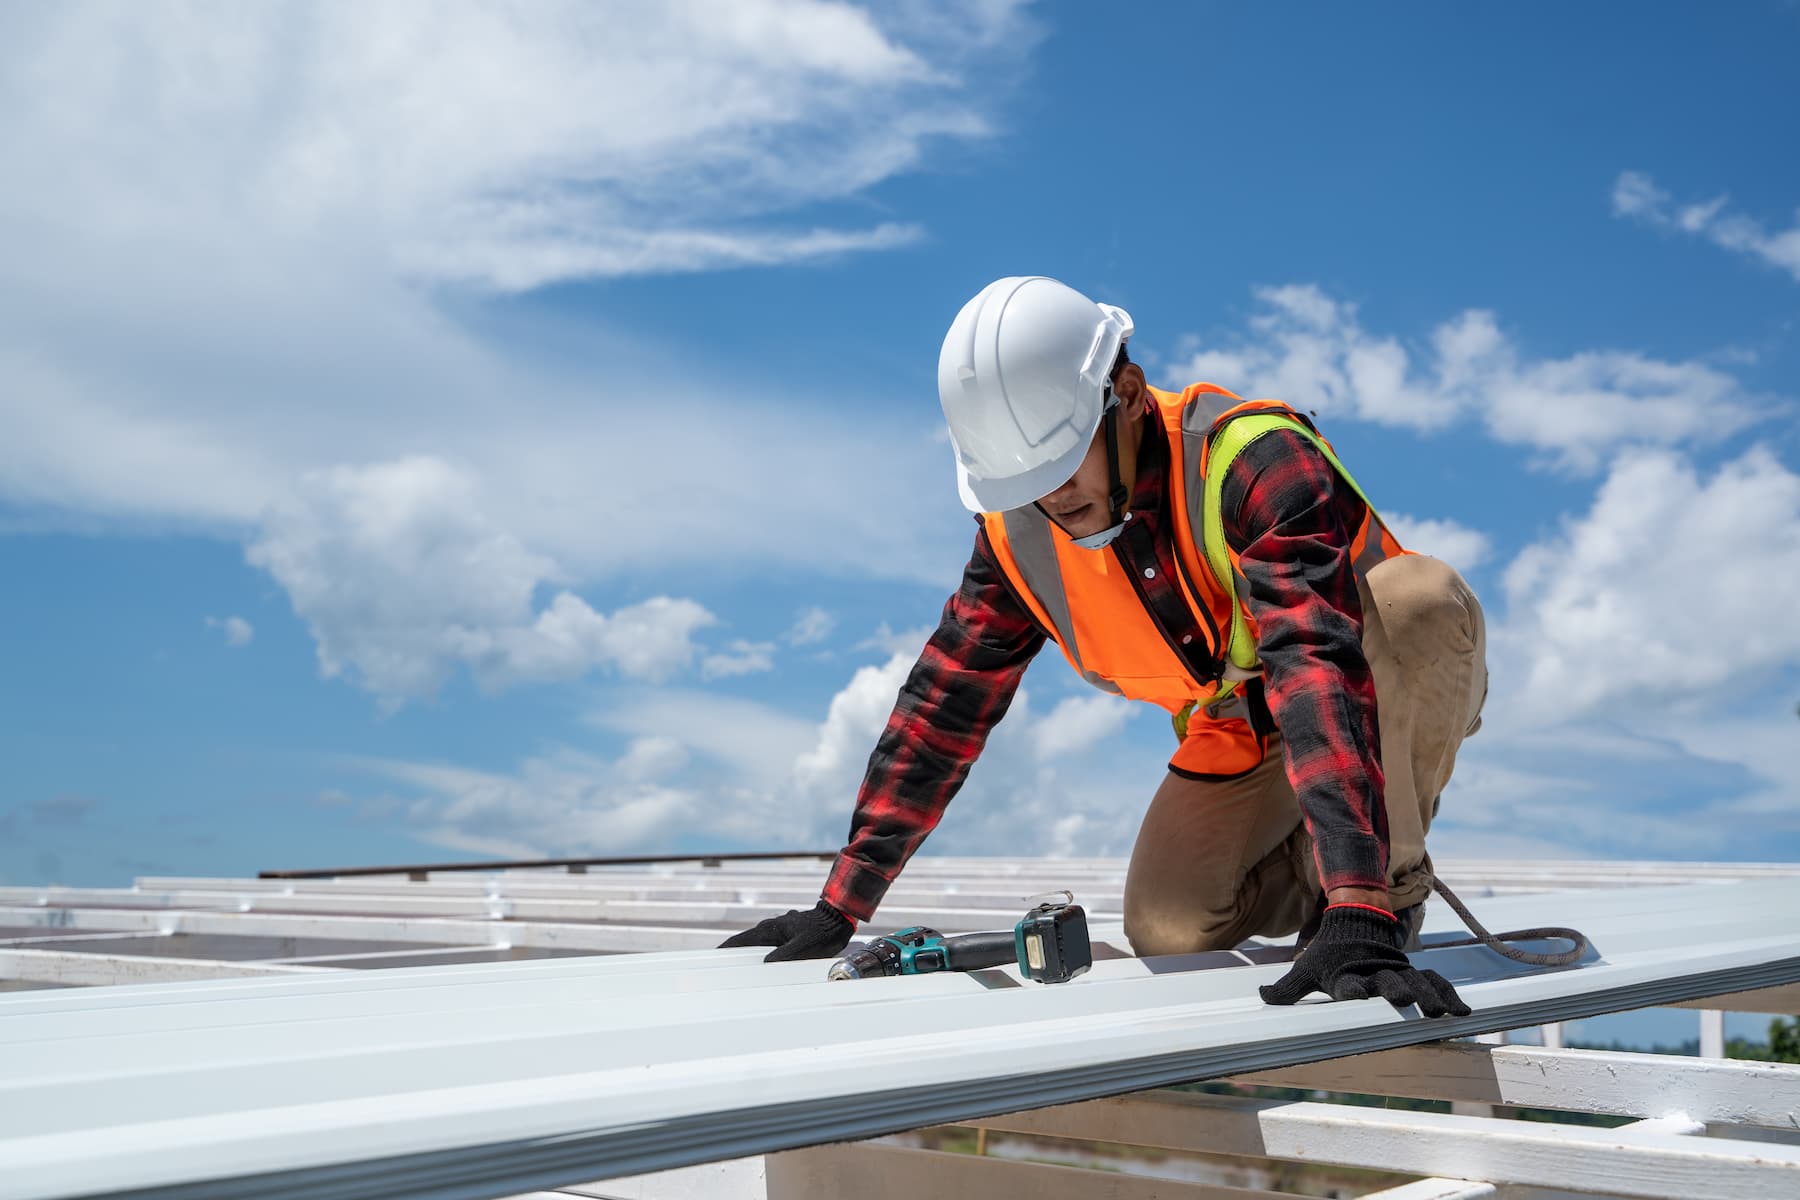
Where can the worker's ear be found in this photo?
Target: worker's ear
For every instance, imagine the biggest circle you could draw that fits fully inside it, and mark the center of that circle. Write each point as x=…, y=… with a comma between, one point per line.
x=1131, y=388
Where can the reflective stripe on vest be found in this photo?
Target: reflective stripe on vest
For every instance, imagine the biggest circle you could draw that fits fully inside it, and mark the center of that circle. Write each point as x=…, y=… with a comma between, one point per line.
x=1033, y=552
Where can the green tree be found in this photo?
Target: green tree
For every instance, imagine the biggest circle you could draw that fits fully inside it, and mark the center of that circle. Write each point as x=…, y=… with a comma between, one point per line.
x=1784, y=1040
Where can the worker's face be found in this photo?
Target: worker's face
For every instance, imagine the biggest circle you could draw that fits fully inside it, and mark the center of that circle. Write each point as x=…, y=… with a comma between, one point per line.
x=1080, y=505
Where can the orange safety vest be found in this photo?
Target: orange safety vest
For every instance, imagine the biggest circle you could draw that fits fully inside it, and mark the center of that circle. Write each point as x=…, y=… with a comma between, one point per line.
x=1090, y=605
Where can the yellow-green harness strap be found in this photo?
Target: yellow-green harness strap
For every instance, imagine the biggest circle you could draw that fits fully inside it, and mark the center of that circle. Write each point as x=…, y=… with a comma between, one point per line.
x=1228, y=441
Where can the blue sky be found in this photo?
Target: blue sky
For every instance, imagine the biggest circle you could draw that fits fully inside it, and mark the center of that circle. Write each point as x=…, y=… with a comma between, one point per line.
x=457, y=434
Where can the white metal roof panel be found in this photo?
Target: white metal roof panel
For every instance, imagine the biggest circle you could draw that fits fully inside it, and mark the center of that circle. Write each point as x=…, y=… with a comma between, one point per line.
x=493, y=1079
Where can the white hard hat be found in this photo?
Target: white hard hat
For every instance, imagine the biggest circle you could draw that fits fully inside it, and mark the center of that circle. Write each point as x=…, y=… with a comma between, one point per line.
x=1023, y=380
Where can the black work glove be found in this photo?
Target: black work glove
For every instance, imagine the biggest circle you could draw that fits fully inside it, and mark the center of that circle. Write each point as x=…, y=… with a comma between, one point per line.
x=1355, y=955
x=820, y=932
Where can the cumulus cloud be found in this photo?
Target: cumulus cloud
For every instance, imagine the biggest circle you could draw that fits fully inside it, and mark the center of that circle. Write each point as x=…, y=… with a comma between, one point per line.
x=499, y=145
x=239, y=247
x=1667, y=587
x=1079, y=723
x=1637, y=197
x=1033, y=791
x=750, y=774
x=1632, y=627
x=739, y=658
x=652, y=758
x=238, y=631
x=695, y=764
x=1311, y=350
x=1633, y=668
x=751, y=744
x=401, y=575
x=889, y=640
x=834, y=765
x=810, y=627
x=560, y=804
x=1455, y=543
x=1641, y=700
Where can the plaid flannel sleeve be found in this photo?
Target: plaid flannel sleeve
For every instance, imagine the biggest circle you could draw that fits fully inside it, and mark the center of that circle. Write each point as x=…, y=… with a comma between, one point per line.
x=1292, y=523
x=955, y=694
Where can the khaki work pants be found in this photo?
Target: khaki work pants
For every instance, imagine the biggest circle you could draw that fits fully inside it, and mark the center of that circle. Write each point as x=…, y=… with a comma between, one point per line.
x=1218, y=862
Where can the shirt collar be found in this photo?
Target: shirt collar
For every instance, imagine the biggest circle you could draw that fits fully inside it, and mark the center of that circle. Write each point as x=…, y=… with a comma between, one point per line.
x=1147, y=490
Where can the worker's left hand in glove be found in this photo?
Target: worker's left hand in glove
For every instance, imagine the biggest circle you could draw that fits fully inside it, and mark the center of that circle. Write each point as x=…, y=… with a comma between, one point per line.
x=1356, y=955
x=819, y=932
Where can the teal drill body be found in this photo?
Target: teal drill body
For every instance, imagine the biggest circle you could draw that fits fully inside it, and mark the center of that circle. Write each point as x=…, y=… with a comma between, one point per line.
x=1049, y=945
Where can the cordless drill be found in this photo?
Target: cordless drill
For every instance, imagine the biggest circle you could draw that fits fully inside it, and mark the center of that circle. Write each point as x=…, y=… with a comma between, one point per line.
x=1050, y=944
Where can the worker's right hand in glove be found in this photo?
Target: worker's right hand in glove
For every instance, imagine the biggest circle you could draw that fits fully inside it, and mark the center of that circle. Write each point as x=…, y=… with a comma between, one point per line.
x=1356, y=955
x=819, y=932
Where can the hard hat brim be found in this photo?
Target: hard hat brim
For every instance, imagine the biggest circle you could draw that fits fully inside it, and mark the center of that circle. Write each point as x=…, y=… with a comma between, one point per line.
x=1017, y=491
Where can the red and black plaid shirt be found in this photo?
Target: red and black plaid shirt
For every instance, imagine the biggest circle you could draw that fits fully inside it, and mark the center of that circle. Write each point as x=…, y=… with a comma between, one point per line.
x=1292, y=526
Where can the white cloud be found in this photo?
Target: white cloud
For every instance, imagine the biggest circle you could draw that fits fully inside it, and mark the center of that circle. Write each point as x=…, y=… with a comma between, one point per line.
x=834, y=766
x=1629, y=783
x=507, y=146
x=1079, y=723
x=753, y=775
x=1603, y=757
x=511, y=266
x=1312, y=351
x=1014, y=802
x=1637, y=196
x=1671, y=585
x=238, y=631
x=810, y=627
x=1457, y=544
x=1636, y=624
x=739, y=658
x=401, y=575
x=500, y=848
x=752, y=743
x=236, y=254
x=1643, y=676
x=560, y=804
x=652, y=758
x=897, y=641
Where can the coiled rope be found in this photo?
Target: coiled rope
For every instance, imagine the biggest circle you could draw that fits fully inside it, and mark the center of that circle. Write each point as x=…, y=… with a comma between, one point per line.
x=1499, y=942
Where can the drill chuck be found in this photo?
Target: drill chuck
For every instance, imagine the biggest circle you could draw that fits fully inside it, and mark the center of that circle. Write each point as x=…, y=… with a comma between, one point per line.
x=859, y=962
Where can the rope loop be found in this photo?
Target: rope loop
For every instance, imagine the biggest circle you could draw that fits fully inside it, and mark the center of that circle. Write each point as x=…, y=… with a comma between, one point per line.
x=1499, y=942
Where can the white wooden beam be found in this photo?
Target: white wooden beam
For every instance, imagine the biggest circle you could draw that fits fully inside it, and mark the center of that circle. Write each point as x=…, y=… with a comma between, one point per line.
x=1763, y=1000
x=875, y=1171
x=1712, y=1033
x=1595, y=1081
x=74, y=969
x=1437, y=1189
x=422, y=930
x=723, y=914
x=384, y=958
x=52, y=935
x=1628, y=1162
x=733, y=1179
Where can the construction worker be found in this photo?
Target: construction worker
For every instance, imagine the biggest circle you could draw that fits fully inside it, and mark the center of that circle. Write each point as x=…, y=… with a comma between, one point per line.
x=1212, y=557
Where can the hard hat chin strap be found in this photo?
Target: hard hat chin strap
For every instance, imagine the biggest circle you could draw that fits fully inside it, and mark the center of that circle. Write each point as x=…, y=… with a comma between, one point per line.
x=1116, y=496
